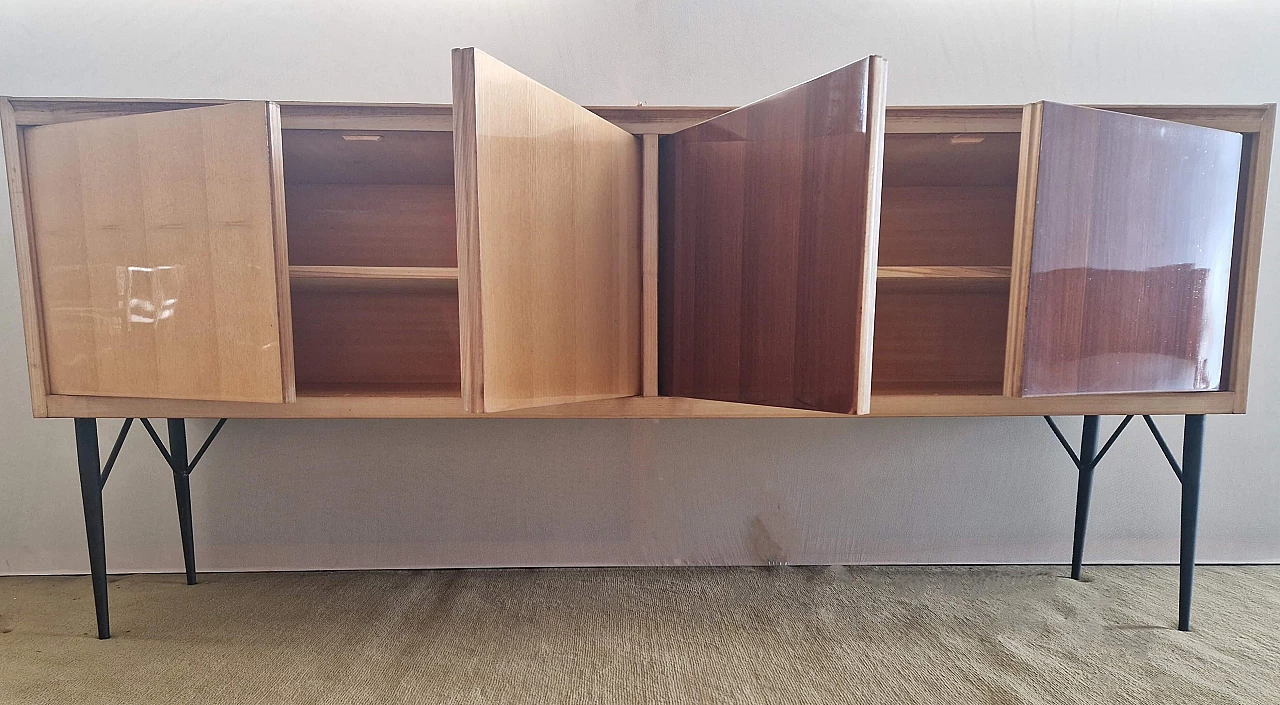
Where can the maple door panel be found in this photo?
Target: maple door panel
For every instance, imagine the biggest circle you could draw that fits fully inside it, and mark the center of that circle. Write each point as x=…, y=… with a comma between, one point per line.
x=156, y=254
x=548, y=212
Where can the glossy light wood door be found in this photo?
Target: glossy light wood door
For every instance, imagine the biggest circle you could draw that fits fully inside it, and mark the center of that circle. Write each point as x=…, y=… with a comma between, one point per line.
x=1123, y=261
x=159, y=254
x=548, y=211
x=768, y=223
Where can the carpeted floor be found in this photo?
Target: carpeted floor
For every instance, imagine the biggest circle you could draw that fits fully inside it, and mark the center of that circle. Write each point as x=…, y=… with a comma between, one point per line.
x=670, y=635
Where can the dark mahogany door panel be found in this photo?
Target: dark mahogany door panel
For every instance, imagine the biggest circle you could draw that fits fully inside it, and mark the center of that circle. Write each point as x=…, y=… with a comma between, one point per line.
x=1130, y=260
x=768, y=217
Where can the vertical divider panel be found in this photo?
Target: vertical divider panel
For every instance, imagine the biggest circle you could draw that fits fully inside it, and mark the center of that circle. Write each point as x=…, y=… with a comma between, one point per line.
x=649, y=265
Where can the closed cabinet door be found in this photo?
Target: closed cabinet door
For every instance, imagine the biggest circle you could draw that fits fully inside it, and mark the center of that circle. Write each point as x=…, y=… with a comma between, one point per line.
x=768, y=222
x=159, y=254
x=548, y=211
x=1123, y=256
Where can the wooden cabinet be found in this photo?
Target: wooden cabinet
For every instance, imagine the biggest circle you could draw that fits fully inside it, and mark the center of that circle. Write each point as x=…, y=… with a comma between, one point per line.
x=516, y=254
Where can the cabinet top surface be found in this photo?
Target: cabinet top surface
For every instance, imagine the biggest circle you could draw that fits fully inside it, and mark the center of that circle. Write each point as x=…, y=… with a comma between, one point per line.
x=638, y=119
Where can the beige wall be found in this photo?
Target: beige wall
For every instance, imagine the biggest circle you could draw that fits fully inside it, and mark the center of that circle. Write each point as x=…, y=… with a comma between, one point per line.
x=335, y=494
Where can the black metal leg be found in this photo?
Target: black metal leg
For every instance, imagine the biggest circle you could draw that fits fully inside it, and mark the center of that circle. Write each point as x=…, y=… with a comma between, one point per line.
x=182, y=488
x=90, y=465
x=1192, y=458
x=1088, y=450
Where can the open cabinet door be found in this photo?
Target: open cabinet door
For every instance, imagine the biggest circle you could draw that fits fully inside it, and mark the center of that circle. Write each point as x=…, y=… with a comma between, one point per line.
x=548, y=203
x=160, y=254
x=1122, y=259
x=768, y=222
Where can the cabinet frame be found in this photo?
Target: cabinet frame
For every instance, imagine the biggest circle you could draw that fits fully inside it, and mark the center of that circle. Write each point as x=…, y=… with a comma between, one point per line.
x=1255, y=122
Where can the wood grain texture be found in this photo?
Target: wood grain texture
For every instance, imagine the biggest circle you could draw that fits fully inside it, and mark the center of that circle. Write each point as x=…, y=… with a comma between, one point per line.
x=155, y=244
x=649, y=265
x=1024, y=226
x=280, y=245
x=1130, y=254
x=367, y=278
x=24, y=251
x=932, y=340
x=641, y=119
x=366, y=225
x=944, y=272
x=767, y=245
x=947, y=225
x=1246, y=267
x=386, y=338
x=402, y=401
x=555, y=234
x=394, y=158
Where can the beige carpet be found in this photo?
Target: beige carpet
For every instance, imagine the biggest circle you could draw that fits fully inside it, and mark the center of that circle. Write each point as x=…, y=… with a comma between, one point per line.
x=675, y=635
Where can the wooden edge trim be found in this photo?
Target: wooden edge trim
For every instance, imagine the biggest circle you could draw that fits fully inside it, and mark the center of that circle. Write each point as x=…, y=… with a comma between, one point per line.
x=24, y=244
x=466, y=194
x=876, y=99
x=649, y=264
x=383, y=407
x=1250, y=260
x=284, y=302
x=1024, y=230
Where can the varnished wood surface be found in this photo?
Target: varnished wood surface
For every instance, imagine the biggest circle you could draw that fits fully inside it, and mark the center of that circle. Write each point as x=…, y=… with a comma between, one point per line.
x=549, y=243
x=1130, y=254
x=765, y=248
x=649, y=265
x=372, y=225
x=943, y=272
x=365, y=156
x=641, y=119
x=382, y=336
x=155, y=248
x=902, y=120
x=24, y=251
x=367, y=278
x=935, y=340
x=1247, y=263
x=336, y=401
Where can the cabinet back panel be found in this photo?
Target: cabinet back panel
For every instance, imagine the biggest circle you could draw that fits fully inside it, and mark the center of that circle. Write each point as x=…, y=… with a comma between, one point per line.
x=949, y=199
x=940, y=339
x=353, y=157
x=363, y=225
x=380, y=339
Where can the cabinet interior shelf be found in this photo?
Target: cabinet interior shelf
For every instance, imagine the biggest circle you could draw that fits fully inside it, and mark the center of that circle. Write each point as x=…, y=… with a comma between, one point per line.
x=972, y=278
x=364, y=278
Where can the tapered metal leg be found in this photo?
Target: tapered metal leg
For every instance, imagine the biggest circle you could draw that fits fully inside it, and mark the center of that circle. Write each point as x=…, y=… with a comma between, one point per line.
x=91, y=496
x=1088, y=450
x=182, y=488
x=1192, y=458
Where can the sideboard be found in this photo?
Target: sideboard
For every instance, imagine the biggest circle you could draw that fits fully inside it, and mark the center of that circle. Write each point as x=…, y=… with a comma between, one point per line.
x=813, y=254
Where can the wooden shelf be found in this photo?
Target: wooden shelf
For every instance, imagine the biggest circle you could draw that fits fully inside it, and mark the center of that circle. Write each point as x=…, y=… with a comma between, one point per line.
x=885, y=388
x=453, y=391
x=365, y=278
x=947, y=272
x=952, y=278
